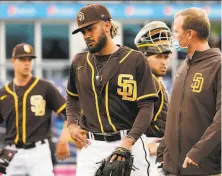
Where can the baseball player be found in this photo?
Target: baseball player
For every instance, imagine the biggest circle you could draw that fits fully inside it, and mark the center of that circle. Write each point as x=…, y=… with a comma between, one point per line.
x=26, y=105
x=114, y=87
x=154, y=40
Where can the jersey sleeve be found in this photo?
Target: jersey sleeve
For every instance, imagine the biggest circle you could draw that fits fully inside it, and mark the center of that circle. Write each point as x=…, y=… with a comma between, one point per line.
x=55, y=99
x=146, y=88
x=71, y=86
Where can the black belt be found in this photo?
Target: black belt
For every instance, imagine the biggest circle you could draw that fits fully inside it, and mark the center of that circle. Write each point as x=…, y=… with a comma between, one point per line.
x=27, y=145
x=108, y=137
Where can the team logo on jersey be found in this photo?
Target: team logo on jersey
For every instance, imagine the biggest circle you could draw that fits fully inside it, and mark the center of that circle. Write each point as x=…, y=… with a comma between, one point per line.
x=38, y=105
x=128, y=87
x=81, y=16
x=197, y=84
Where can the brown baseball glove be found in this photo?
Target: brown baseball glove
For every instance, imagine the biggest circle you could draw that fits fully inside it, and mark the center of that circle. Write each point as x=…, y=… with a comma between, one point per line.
x=117, y=168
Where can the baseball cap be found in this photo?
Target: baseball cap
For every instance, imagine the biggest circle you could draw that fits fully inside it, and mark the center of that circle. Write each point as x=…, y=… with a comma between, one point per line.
x=23, y=50
x=90, y=14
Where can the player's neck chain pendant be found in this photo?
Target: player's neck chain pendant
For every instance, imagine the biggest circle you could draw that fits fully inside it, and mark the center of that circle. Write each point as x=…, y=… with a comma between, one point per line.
x=98, y=76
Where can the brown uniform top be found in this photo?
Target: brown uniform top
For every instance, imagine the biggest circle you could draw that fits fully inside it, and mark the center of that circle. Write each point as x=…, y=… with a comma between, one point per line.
x=193, y=125
x=113, y=106
x=28, y=117
x=157, y=126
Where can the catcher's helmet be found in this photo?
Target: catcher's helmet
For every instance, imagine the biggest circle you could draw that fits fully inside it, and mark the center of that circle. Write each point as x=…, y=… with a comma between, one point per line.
x=154, y=38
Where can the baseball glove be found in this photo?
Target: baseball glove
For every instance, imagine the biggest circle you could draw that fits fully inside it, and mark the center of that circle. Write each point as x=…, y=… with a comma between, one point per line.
x=6, y=156
x=116, y=168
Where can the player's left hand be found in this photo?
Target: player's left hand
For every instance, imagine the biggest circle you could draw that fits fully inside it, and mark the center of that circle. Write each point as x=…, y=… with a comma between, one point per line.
x=189, y=162
x=62, y=150
x=127, y=143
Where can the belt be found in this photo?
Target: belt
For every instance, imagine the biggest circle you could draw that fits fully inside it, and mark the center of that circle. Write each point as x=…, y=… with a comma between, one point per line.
x=108, y=137
x=28, y=145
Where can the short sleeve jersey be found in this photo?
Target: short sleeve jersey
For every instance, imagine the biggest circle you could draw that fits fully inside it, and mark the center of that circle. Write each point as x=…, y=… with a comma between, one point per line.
x=126, y=80
x=27, y=110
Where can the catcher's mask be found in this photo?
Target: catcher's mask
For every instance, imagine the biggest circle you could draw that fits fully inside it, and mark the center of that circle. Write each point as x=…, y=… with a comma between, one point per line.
x=154, y=38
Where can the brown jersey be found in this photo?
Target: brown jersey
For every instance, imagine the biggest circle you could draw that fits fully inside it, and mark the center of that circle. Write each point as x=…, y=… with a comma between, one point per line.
x=112, y=106
x=157, y=126
x=27, y=110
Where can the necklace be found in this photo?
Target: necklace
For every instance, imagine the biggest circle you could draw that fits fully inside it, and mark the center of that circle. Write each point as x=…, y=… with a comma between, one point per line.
x=98, y=77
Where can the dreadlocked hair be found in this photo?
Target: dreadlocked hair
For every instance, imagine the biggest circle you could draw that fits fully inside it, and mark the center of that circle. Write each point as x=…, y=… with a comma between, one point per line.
x=114, y=29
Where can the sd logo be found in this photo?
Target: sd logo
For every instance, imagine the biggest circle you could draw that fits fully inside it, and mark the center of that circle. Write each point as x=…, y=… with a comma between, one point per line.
x=128, y=89
x=197, y=84
x=81, y=16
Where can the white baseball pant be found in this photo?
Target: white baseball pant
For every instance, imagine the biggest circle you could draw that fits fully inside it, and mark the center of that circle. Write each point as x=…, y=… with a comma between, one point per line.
x=99, y=150
x=33, y=162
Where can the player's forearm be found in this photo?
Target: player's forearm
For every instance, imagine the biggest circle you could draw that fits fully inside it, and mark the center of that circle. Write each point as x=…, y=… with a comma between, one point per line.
x=142, y=120
x=64, y=137
x=72, y=110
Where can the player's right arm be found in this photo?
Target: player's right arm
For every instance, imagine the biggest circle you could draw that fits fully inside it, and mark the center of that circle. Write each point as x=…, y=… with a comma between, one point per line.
x=73, y=107
x=73, y=110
